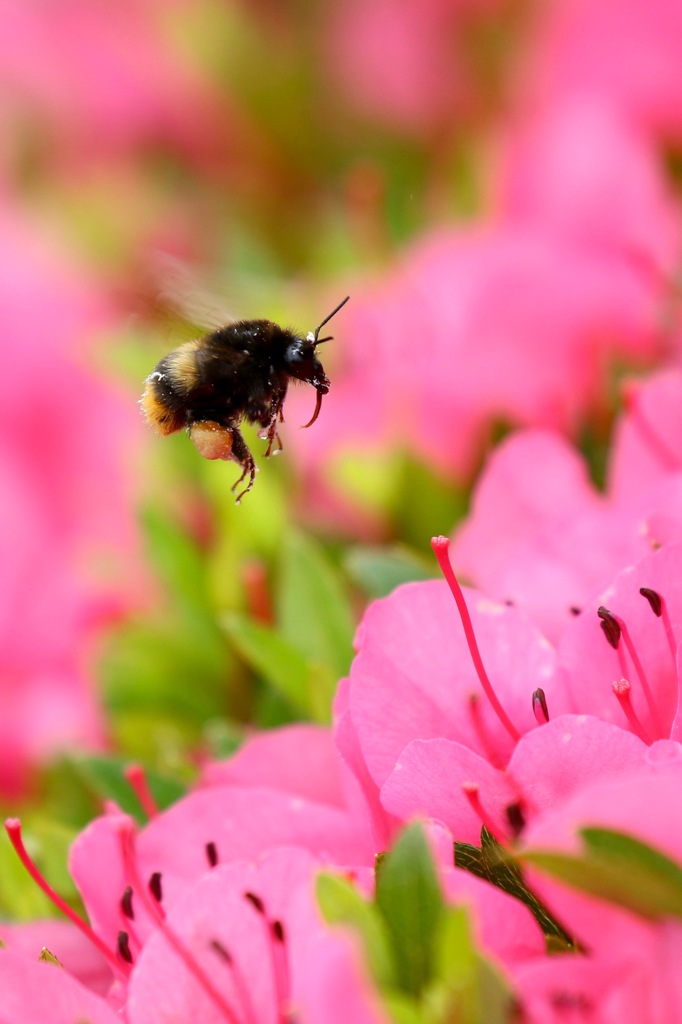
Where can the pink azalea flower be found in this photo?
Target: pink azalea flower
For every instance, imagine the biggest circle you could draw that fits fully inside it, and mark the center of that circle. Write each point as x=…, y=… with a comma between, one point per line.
x=42, y=993
x=65, y=500
x=634, y=957
x=647, y=446
x=422, y=738
x=426, y=74
x=608, y=192
x=513, y=323
x=105, y=79
x=616, y=50
x=298, y=759
x=214, y=824
x=413, y=678
x=77, y=955
x=540, y=534
x=240, y=944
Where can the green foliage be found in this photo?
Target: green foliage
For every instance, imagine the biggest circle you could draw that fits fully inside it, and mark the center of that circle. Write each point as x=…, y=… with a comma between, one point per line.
x=496, y=865
x=312, y=605
x=618, y=868
x=379, y=570
x=105, y=778
x=410, y=901
x=310, y=647
x=281, y=665
x=419, y=948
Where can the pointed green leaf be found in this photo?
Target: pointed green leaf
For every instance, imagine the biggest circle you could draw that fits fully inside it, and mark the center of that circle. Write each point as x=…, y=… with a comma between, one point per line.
x=380, y=570
x=341, y=903
x=496, y=865
x=313, y=609
x=283, y=666
x=409, y=898
x=618, y=868
x=105, y=777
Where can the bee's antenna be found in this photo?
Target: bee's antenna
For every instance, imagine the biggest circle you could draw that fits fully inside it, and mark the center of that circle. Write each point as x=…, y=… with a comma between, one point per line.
x=316, y=334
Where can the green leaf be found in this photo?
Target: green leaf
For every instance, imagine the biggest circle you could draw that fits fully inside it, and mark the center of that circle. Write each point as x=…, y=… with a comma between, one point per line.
x=105, y=777
x=409, y=898
x=618, y=868
x=423, y=502
x=176, y=557
x=495, y=864
x=380, y=570
x=341, y=903
x=466, y=988
x=313, y=609
x=283, y=666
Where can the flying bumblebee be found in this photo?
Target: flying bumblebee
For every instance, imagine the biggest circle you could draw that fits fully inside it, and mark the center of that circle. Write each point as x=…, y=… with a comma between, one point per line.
x=240, y=371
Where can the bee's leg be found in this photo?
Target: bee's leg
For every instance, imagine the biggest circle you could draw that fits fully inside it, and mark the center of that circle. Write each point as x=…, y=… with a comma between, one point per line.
x=240, y=453
x=276, y=417
x=274, y=439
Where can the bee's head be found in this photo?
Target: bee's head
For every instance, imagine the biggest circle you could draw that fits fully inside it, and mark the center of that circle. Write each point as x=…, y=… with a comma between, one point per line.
x=303, y=364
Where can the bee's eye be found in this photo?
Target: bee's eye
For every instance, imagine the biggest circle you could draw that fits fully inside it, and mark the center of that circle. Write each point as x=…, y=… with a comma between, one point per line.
x=297, y=352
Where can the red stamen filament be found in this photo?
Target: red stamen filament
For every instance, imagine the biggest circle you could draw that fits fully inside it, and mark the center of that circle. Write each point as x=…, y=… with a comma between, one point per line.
x=137, y=780
x=174, y=941
x=669, y=632
x=660, y=609
x=491, y=754
x=471, y=792
x=280, y=968
x=641, y=675
x=239, y=983
x=621, y=689
x=440, y=547
x=13, y=827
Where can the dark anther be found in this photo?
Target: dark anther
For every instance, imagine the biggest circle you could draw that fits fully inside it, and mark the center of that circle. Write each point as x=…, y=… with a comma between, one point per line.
x=278, y=931
x=654, y=600
x=127, y=904
x=540, y=700
x=256, y=901
x=124, y=947
x=155, y=886
x=509, y=602
x=217, y=947
x=516, y=818
x=574, y=610
x=211, y=854
x=609, y=625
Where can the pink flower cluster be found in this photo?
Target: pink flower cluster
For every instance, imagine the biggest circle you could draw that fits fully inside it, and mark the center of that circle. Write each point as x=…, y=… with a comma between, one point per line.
x=65, y=500
x=517, y=316
x=458, y=710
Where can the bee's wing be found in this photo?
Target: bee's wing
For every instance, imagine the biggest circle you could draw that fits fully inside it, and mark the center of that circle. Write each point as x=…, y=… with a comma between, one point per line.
x=177, y=292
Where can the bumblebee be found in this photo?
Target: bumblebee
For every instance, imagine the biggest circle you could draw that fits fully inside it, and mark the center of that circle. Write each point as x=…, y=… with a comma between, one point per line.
x=241, y=371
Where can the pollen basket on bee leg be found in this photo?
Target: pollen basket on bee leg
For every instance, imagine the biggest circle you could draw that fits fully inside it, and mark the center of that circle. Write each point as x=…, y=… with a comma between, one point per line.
x=211, y=439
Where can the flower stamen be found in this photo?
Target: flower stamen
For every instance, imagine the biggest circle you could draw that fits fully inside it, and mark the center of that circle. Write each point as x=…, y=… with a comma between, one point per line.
x=621, y=689
x=13, y=828
x=136, y=778
x=540, y=707
x=660, y=610
x=440, y=547
x=472, y=793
